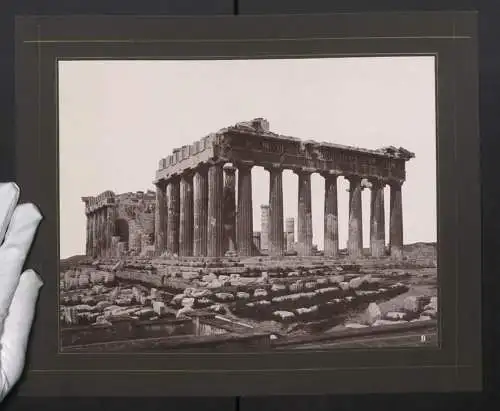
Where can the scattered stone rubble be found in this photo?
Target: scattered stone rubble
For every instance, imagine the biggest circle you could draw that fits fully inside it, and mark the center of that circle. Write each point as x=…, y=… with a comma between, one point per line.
x=414, y=308
x=289, y=292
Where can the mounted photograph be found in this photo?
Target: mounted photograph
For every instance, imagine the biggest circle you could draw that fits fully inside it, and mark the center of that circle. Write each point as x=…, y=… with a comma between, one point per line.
x=247, y=205
x=252, y=205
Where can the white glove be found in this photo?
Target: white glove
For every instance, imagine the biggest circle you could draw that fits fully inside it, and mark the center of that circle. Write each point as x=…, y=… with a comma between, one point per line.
x=18, y=292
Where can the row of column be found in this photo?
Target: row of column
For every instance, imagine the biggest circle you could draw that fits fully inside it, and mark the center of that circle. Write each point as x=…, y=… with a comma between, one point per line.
x=275, y=241
x=355, y=225
x=100, y=231
x=196, y=216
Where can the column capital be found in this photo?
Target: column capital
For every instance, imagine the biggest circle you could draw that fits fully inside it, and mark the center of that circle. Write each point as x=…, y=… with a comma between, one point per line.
x=244, y=164
x=201, y=167
x=160, y=184
x=274, y=168
x=304, y=170
x=187, y=173
x=377, y=182
x=173, y=178
x=353, y=178
x=216, y=161
x=396, y=184
x=229, y=168
x=329, y=173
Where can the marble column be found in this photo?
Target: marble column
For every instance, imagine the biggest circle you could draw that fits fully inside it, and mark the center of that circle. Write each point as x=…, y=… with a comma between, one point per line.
x=111, y=228
x=107, y=235
x=355, y=235
x=244, y=216
x=99, y=231
x=290, y=233
x=114, y=246
x=97, y=240
x=200, y=216
x=304, y=214
x=93, y=217
x=256, y=240
x=186, y=214
x=103, y=213
x=331, y=221
x=215, y=230
x=173, y=210
x=95, y=233
x=88, y=243
x=396, y=221
x=229, y=208
x=276, y=240
x=160, y=214
x=264, y=227
x=377, y=219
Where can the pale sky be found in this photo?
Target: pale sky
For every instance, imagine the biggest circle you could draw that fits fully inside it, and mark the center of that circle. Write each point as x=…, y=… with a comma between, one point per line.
x=118, y=118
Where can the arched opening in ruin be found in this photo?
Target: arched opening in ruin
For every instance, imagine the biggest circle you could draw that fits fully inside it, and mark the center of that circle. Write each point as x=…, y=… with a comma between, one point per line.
x=121, y=229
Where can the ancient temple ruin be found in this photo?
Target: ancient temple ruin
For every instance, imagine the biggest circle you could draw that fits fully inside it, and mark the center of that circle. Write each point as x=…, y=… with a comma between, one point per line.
x=120, y=224
x=196, y=212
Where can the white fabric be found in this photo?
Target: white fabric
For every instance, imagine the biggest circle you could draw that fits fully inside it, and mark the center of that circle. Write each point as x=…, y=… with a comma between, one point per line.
x=18, y=292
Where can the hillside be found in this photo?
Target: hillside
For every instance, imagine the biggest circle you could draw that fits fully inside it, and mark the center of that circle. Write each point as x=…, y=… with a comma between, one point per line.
x=67, y=263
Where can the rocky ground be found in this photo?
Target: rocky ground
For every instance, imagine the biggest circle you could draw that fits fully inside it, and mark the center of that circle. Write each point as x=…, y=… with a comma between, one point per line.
x=418, y=302
x=290, y=296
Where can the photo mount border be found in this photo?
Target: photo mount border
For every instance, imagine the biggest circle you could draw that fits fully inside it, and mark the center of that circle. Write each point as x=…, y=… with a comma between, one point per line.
x=42, y=41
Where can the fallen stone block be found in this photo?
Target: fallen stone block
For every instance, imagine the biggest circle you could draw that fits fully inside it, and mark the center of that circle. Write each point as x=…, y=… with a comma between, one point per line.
x=433, y=304
x=187, y=302
x=189, y=275
x=373, y=313
x=215, y=284
x=243, y=295
x=355, y=325
x=225, y=296
x=387, y=322
x=415, y=303
x=395, y=315
x=344, y=285
x=336, y=279
x=430, y=313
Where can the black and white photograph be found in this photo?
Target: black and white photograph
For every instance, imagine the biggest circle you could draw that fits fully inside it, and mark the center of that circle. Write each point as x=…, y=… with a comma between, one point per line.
x=247, y=205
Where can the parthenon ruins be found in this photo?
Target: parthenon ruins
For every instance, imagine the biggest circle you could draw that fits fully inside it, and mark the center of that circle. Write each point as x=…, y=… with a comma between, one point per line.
x=197, y=214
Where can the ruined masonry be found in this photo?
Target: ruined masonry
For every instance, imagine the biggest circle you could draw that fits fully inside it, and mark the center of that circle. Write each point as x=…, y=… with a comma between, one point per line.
x=119, y=225
x=196, y=213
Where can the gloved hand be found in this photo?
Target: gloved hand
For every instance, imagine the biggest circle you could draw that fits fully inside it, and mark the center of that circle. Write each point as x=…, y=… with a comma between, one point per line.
x=18, y=292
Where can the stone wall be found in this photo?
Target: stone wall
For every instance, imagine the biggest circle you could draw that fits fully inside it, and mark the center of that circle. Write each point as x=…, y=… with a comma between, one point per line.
x=138, y=211
x=133, y=216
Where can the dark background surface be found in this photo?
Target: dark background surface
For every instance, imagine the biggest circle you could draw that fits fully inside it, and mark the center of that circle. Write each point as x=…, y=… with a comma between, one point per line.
x=489, y=64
